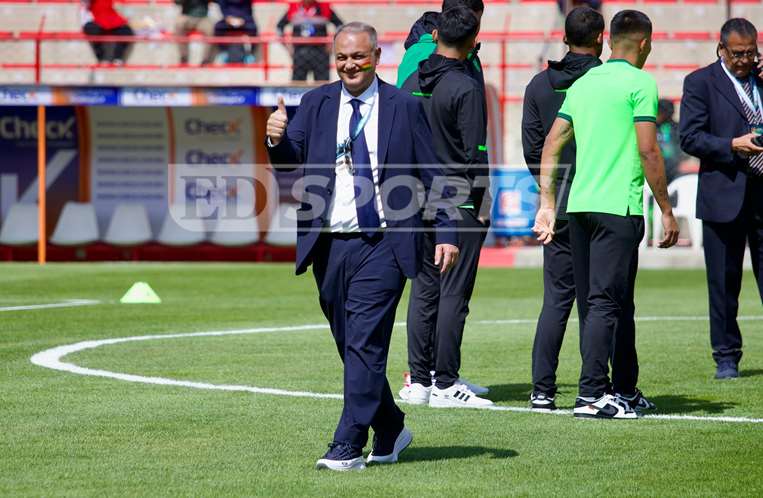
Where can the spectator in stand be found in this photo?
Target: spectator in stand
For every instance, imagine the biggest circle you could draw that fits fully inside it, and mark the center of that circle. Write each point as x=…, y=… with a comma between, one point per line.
x=104, y=20
x=238, y=18
x=669, y=140
x=193, y=17
x=309, y=18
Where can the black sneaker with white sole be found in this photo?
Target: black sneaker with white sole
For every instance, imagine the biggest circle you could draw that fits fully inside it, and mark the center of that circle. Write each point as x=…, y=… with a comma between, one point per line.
x=341, y=457
x=636, y=401
x=387, y=448
x=542, y=402
x=605, y=407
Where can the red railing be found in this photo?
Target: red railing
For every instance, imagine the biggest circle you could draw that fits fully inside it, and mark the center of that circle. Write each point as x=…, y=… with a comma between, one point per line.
x=266, y=64
x=388, y=2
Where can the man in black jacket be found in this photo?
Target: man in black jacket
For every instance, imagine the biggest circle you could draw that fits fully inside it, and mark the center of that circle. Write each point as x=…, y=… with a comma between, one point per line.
x=583, y=33
x=455, y=104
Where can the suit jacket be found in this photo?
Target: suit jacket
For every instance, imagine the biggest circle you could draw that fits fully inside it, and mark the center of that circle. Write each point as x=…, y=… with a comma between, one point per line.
x=711, y=116
x=405, y=140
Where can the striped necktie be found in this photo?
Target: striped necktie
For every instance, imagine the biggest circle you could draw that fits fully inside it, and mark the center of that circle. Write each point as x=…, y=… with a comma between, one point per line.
x=756, y=161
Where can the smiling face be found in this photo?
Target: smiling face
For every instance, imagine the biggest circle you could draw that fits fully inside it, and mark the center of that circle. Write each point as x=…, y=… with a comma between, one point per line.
x=356, y=60
x=740, y=54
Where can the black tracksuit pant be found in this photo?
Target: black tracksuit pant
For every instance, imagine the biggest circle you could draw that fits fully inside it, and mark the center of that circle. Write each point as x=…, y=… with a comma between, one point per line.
x=439, y=305
x=558, y=297
x=605, y=262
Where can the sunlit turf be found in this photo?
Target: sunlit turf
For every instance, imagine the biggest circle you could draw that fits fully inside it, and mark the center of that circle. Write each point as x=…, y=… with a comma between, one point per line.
x=65, y=434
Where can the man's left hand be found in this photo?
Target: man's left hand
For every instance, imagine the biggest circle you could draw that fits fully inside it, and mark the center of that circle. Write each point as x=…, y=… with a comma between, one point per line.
x=545, y=220
x=445, y=256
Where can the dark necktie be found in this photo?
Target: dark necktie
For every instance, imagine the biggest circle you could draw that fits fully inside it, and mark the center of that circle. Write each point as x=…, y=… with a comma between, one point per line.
x=368, y=218
x=756, y=161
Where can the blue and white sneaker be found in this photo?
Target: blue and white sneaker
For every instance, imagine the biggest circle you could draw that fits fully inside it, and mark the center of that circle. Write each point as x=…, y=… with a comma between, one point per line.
x=387, y=448
x=606, y=407
x=636, y=401
x=727, y=370
x=341, y=457
x=542, y=402
x=475, y=388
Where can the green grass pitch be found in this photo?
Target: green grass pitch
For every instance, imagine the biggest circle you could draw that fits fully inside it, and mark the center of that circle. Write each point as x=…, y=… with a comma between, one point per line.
x=63, y=434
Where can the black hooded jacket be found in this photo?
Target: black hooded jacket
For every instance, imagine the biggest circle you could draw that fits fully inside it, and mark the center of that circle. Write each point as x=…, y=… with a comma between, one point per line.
x=544, y=96
x=455, y=105
x=420, y=36
x=423, y=26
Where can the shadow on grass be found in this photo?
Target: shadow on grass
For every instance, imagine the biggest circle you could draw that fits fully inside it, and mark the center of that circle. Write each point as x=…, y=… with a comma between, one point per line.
x=434, y=453
x=675, y=404
x=750, y=373
x=518, y=392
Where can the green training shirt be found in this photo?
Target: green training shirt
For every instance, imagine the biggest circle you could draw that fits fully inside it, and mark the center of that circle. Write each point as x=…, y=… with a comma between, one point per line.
x=603, y=106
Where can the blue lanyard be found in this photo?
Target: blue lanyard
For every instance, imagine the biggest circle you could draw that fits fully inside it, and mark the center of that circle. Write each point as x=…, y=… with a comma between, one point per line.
x=345, y=147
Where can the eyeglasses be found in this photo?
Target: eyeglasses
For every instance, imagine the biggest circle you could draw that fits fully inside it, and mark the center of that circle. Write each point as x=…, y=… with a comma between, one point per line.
x=737, y=56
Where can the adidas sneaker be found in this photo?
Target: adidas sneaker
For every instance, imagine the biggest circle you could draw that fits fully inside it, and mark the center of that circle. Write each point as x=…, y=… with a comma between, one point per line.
x=605, y=407
x=475, y=388
x=458, y=396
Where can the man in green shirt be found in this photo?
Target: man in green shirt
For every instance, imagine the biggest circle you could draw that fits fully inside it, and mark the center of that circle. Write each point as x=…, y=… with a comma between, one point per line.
x=611, y=111
x=420, y=44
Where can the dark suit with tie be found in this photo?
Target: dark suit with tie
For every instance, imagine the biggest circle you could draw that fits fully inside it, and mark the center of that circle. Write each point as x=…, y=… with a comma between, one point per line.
x=360, y=278
x=729, y=198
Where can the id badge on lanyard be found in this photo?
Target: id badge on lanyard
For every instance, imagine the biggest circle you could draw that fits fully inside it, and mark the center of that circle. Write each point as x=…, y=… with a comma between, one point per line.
x=756, y=126
x=344, y=149
x=344, y=156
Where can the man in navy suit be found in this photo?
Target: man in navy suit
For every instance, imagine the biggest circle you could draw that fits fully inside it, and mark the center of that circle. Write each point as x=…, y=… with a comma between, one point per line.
x=721, y=113
x=366, y=150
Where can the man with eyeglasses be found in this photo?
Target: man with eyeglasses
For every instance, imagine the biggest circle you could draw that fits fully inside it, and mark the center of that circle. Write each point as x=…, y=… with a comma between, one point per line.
x=721, y=115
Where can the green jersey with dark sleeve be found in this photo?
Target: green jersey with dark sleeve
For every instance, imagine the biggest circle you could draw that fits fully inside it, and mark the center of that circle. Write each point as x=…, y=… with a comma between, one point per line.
x=603, y=107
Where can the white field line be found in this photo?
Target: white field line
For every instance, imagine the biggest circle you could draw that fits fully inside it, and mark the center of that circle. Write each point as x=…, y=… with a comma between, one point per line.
x=69, y=303
x=52, y=358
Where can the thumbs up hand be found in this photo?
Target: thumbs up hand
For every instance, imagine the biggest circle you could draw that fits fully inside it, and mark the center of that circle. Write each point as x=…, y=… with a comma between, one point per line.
x=277, y=122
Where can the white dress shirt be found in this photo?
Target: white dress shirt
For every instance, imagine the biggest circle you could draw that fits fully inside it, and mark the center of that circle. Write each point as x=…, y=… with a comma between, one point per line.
x=343, y=214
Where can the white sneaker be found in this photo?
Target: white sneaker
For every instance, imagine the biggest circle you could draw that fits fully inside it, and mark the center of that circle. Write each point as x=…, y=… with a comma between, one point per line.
x=604, y=407
x=416, y=394
x=475, y=388
x=457, y=395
